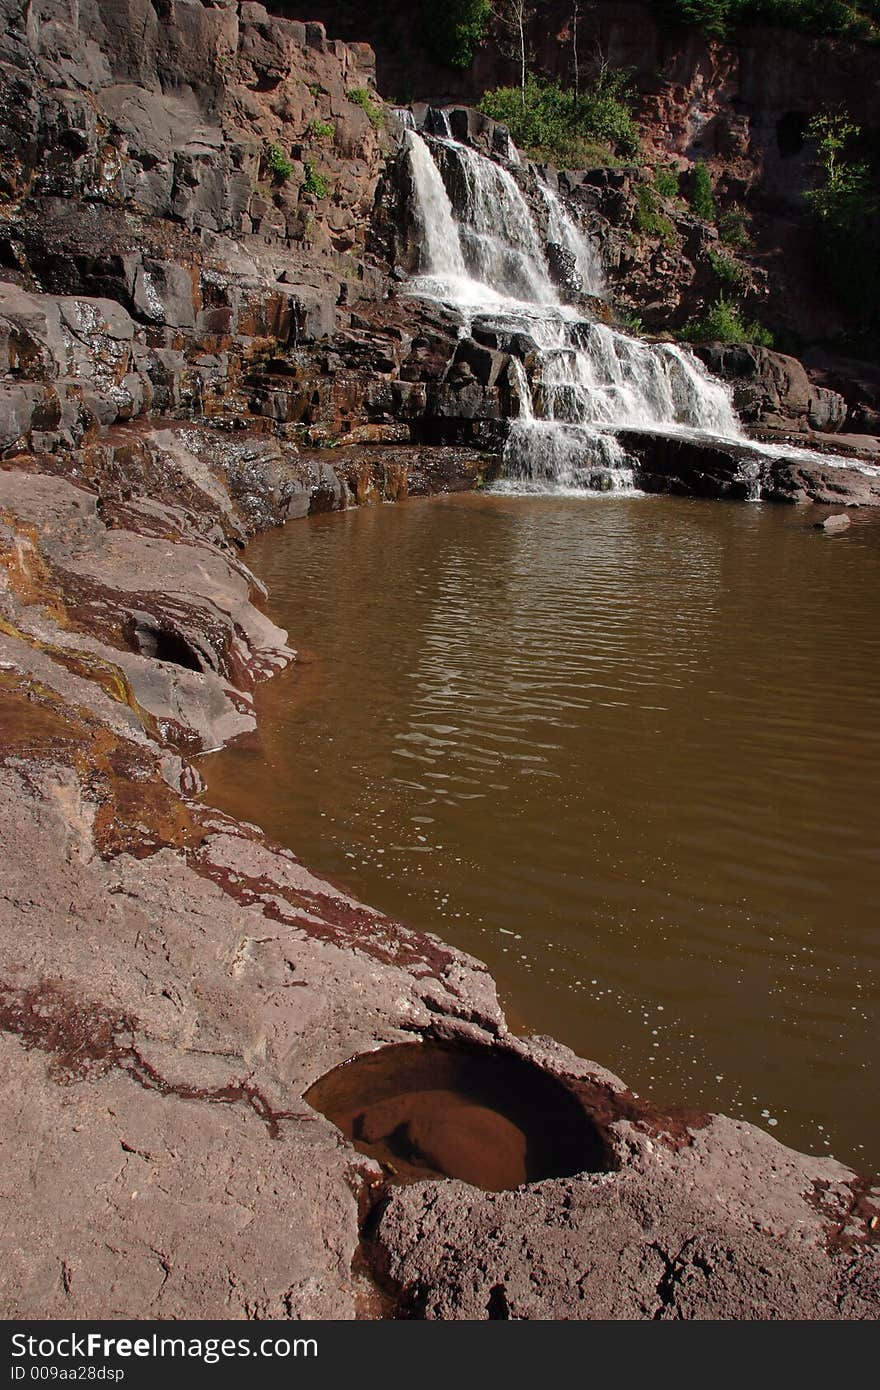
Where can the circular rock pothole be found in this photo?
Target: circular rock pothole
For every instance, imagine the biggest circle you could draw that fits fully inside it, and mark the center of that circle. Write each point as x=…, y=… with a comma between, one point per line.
x=445, y=1110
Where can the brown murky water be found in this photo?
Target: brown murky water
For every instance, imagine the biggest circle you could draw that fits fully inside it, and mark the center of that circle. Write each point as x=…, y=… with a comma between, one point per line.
x=437, y=1110
x=626, y=751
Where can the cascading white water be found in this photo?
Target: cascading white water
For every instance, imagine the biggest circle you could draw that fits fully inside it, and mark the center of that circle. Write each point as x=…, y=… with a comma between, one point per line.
x=501, y=244
x=523, y=389
x=441, y=248
x=562, y=230
x=482, y=254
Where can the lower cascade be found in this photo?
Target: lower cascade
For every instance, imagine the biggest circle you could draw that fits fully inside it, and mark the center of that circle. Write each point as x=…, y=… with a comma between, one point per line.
x=578, y=381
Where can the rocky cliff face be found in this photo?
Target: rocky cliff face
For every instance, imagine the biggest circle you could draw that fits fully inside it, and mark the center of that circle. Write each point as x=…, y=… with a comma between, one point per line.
x=139, y=175
x=742, y=102
x=210, y=222
x=741, y=105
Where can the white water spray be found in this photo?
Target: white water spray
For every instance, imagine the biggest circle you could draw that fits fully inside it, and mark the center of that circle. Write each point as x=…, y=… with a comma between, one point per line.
x=562, y=230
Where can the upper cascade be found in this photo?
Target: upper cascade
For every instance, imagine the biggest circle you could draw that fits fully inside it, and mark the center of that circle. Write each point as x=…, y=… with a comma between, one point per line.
x=483, y=253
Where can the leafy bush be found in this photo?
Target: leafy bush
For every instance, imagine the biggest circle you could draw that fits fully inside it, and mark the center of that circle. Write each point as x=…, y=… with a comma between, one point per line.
x=649, y=219
x=630, y=320
x=315, y=183
x=723, y=323
x=322, y=130
x=843, y=197
x=702, y=196
x=712, y=16
x=666, y=181
x=567, y=128
x=733, y=228
x=729, y=271
x=456, y=28
x=858, y=18
x=365, y=100
x=279, y=163
x=845, y=208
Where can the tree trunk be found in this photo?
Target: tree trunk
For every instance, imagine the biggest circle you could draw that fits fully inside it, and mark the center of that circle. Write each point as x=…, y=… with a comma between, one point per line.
x=521, y=20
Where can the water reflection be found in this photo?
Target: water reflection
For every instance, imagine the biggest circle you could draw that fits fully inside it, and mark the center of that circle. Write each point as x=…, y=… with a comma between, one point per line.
x=627, y=751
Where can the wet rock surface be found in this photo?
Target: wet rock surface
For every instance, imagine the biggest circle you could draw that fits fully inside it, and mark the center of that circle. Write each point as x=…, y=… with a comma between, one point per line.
x=773, y=390
x=698, y=467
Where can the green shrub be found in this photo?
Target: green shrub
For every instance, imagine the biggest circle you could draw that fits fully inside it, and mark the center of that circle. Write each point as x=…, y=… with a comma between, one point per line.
x=279, y=163
x=315, y=183
x=702, y=198
x=666, y=180
x=844, y=195
x=649, y=219
x=630, y=320
x=733, y=228
x=859, y=18
x=568, y=128
x=455, y=29
x=322, y=130
x=365, y=100
x=723, y=323
x=845, y=216
x=729, y=271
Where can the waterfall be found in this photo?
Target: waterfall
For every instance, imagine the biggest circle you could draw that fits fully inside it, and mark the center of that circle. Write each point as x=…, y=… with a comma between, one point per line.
x=523, y=390
x=562, y=230
x=440, y=246
x=483, y=255
x=501, y=244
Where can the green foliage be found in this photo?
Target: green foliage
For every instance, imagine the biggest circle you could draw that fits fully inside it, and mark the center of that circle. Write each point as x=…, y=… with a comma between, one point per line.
x=666, y=181
x=322, y=130
x=712, y=16
x=733, y=228
x=279, y=163
x=702, y=195
x=567, y=128
x=455, y=29
x=729, y=271
x=842, y=198
x=845, y=208
x=630, y=320
x=371, y=108
x=649, y=219
x=857, y=18
x=315, y=183
x=723, y=323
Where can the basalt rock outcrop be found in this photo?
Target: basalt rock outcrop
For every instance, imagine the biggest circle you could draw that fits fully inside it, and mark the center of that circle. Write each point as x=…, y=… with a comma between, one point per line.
x=694, y=467
x=227, y=238
x=773, y=390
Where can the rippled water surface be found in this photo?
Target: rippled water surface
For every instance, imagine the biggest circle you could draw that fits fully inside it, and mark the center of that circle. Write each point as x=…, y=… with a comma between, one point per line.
x=625, y=750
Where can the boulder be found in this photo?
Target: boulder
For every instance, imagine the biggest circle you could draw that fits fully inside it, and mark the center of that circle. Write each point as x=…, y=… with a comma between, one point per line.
x=164, y=293
x=773, y=389
x=832, y=525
